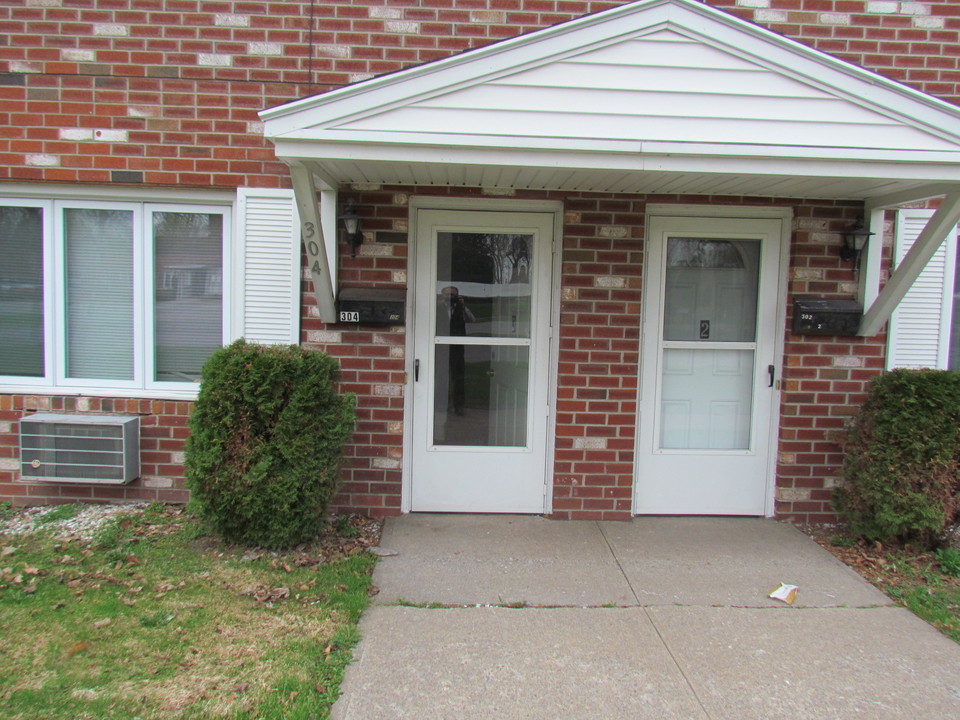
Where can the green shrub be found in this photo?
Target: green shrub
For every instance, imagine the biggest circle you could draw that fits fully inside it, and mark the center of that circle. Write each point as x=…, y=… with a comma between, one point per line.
x=266, y=436
x=949, y=561
x=902, y=465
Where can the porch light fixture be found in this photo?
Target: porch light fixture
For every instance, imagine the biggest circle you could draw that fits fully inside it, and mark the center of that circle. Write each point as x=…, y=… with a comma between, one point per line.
x=854, y=240
x=351, y=225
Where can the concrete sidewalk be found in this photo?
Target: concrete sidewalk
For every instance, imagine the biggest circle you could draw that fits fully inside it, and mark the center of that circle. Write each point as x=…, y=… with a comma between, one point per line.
x=523, y=617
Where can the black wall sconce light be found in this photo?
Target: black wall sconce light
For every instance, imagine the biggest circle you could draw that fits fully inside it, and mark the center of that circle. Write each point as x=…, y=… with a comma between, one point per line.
x=351, y=225
x=854, y=240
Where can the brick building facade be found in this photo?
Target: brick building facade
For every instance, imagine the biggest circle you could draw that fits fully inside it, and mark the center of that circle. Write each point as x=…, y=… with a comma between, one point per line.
x=157, y=101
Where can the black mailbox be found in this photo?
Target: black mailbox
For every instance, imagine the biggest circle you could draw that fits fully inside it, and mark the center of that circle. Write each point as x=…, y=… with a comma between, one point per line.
x=372, y=306
x=826, y=316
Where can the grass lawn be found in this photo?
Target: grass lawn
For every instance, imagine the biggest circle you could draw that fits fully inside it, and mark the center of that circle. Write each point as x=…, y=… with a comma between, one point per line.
x=152, y=619
x=926, y=583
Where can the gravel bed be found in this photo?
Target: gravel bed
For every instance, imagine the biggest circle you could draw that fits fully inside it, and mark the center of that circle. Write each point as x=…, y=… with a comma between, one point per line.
x=82, y=526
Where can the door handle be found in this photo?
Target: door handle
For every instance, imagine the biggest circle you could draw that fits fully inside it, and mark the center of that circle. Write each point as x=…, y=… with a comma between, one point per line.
x=416, y=370
x=771, y=373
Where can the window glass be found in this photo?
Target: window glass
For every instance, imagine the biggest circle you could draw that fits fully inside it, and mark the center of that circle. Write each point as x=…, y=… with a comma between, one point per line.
x=188, y=292
x=21, y=291
x=480, y=395
x=711, y=290
x=483, y=284
x=98, y=262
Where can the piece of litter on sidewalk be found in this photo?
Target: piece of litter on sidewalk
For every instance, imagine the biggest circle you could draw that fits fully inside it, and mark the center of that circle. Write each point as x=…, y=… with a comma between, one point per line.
x=383, y=552
x=787, y=593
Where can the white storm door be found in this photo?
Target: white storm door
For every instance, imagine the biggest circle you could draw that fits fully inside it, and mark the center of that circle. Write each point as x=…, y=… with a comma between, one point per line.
x=708, y=420
x=481, y=367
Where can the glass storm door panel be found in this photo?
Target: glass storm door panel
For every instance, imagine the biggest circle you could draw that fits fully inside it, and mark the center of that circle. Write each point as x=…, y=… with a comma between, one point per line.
x=706, y=431
x=481, y=359
x=710, y=297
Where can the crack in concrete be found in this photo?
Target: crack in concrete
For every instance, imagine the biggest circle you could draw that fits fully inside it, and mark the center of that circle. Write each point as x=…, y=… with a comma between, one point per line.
x=613, y=554
x=663, y=642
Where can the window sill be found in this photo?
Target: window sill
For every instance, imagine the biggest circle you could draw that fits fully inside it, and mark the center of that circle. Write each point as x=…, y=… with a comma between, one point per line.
x=153, y=394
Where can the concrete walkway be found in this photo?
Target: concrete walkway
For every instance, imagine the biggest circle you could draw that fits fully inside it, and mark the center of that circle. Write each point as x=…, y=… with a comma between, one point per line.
x=523, y=617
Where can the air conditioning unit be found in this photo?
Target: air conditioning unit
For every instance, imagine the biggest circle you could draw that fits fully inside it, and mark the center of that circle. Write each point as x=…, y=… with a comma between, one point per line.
x=99, y=449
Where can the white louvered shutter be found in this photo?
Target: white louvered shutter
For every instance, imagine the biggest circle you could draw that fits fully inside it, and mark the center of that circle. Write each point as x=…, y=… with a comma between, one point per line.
x=268, y=302
x=920, y=326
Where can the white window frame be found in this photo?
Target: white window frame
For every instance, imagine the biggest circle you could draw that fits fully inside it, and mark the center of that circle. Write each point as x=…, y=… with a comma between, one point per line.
x=46, y=380
x=143, y=205
x=58, y=316
x=149, y=289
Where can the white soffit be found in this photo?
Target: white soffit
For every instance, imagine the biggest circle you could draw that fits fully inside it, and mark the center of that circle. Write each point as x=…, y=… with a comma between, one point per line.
x=653, y=96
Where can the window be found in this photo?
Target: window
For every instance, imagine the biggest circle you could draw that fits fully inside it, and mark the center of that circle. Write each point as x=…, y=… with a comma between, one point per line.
x=21, y=291
x=125, y=295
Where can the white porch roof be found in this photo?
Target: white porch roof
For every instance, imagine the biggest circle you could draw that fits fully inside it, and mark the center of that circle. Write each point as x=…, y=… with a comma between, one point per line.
x=655, y=96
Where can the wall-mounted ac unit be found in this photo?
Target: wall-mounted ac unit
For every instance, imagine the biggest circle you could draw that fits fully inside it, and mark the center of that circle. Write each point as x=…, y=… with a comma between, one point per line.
x=101, y=449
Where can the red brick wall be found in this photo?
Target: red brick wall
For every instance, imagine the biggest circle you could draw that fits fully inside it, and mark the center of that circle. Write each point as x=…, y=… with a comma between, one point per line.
x=599, y=356
x=824, y=378
x=372, y=359
x=163, y=430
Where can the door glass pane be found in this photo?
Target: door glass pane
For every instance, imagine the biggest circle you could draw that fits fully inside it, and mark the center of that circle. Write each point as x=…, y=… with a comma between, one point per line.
x=21, y=291
x=711, y=290
x=706, y=399
x=188, y=292
x=480, y=395
x=99, y=293
x=483, y=284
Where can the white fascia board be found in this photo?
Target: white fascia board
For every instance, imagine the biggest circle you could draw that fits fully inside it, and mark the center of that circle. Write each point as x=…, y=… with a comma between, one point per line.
x=733, y=161
x=349, y=143
x=698, y=21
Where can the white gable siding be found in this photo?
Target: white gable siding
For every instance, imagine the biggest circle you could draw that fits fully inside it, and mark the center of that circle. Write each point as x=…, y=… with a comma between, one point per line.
x=662, y=87
x=920, y=326
x=269, y=267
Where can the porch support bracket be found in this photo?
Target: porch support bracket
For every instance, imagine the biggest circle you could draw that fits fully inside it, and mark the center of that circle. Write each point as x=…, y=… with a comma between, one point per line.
x=317, y=223
x=938, y=228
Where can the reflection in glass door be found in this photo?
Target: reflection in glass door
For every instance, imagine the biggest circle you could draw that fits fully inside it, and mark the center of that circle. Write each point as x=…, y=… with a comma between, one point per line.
x=482, y=315
x=482, y=339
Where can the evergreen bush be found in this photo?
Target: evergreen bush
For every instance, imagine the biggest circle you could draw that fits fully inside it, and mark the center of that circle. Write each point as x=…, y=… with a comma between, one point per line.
x=902, y=465
x=266, y=437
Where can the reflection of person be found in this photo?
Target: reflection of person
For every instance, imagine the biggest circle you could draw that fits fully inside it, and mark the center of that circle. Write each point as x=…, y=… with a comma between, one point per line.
x=457, y=316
